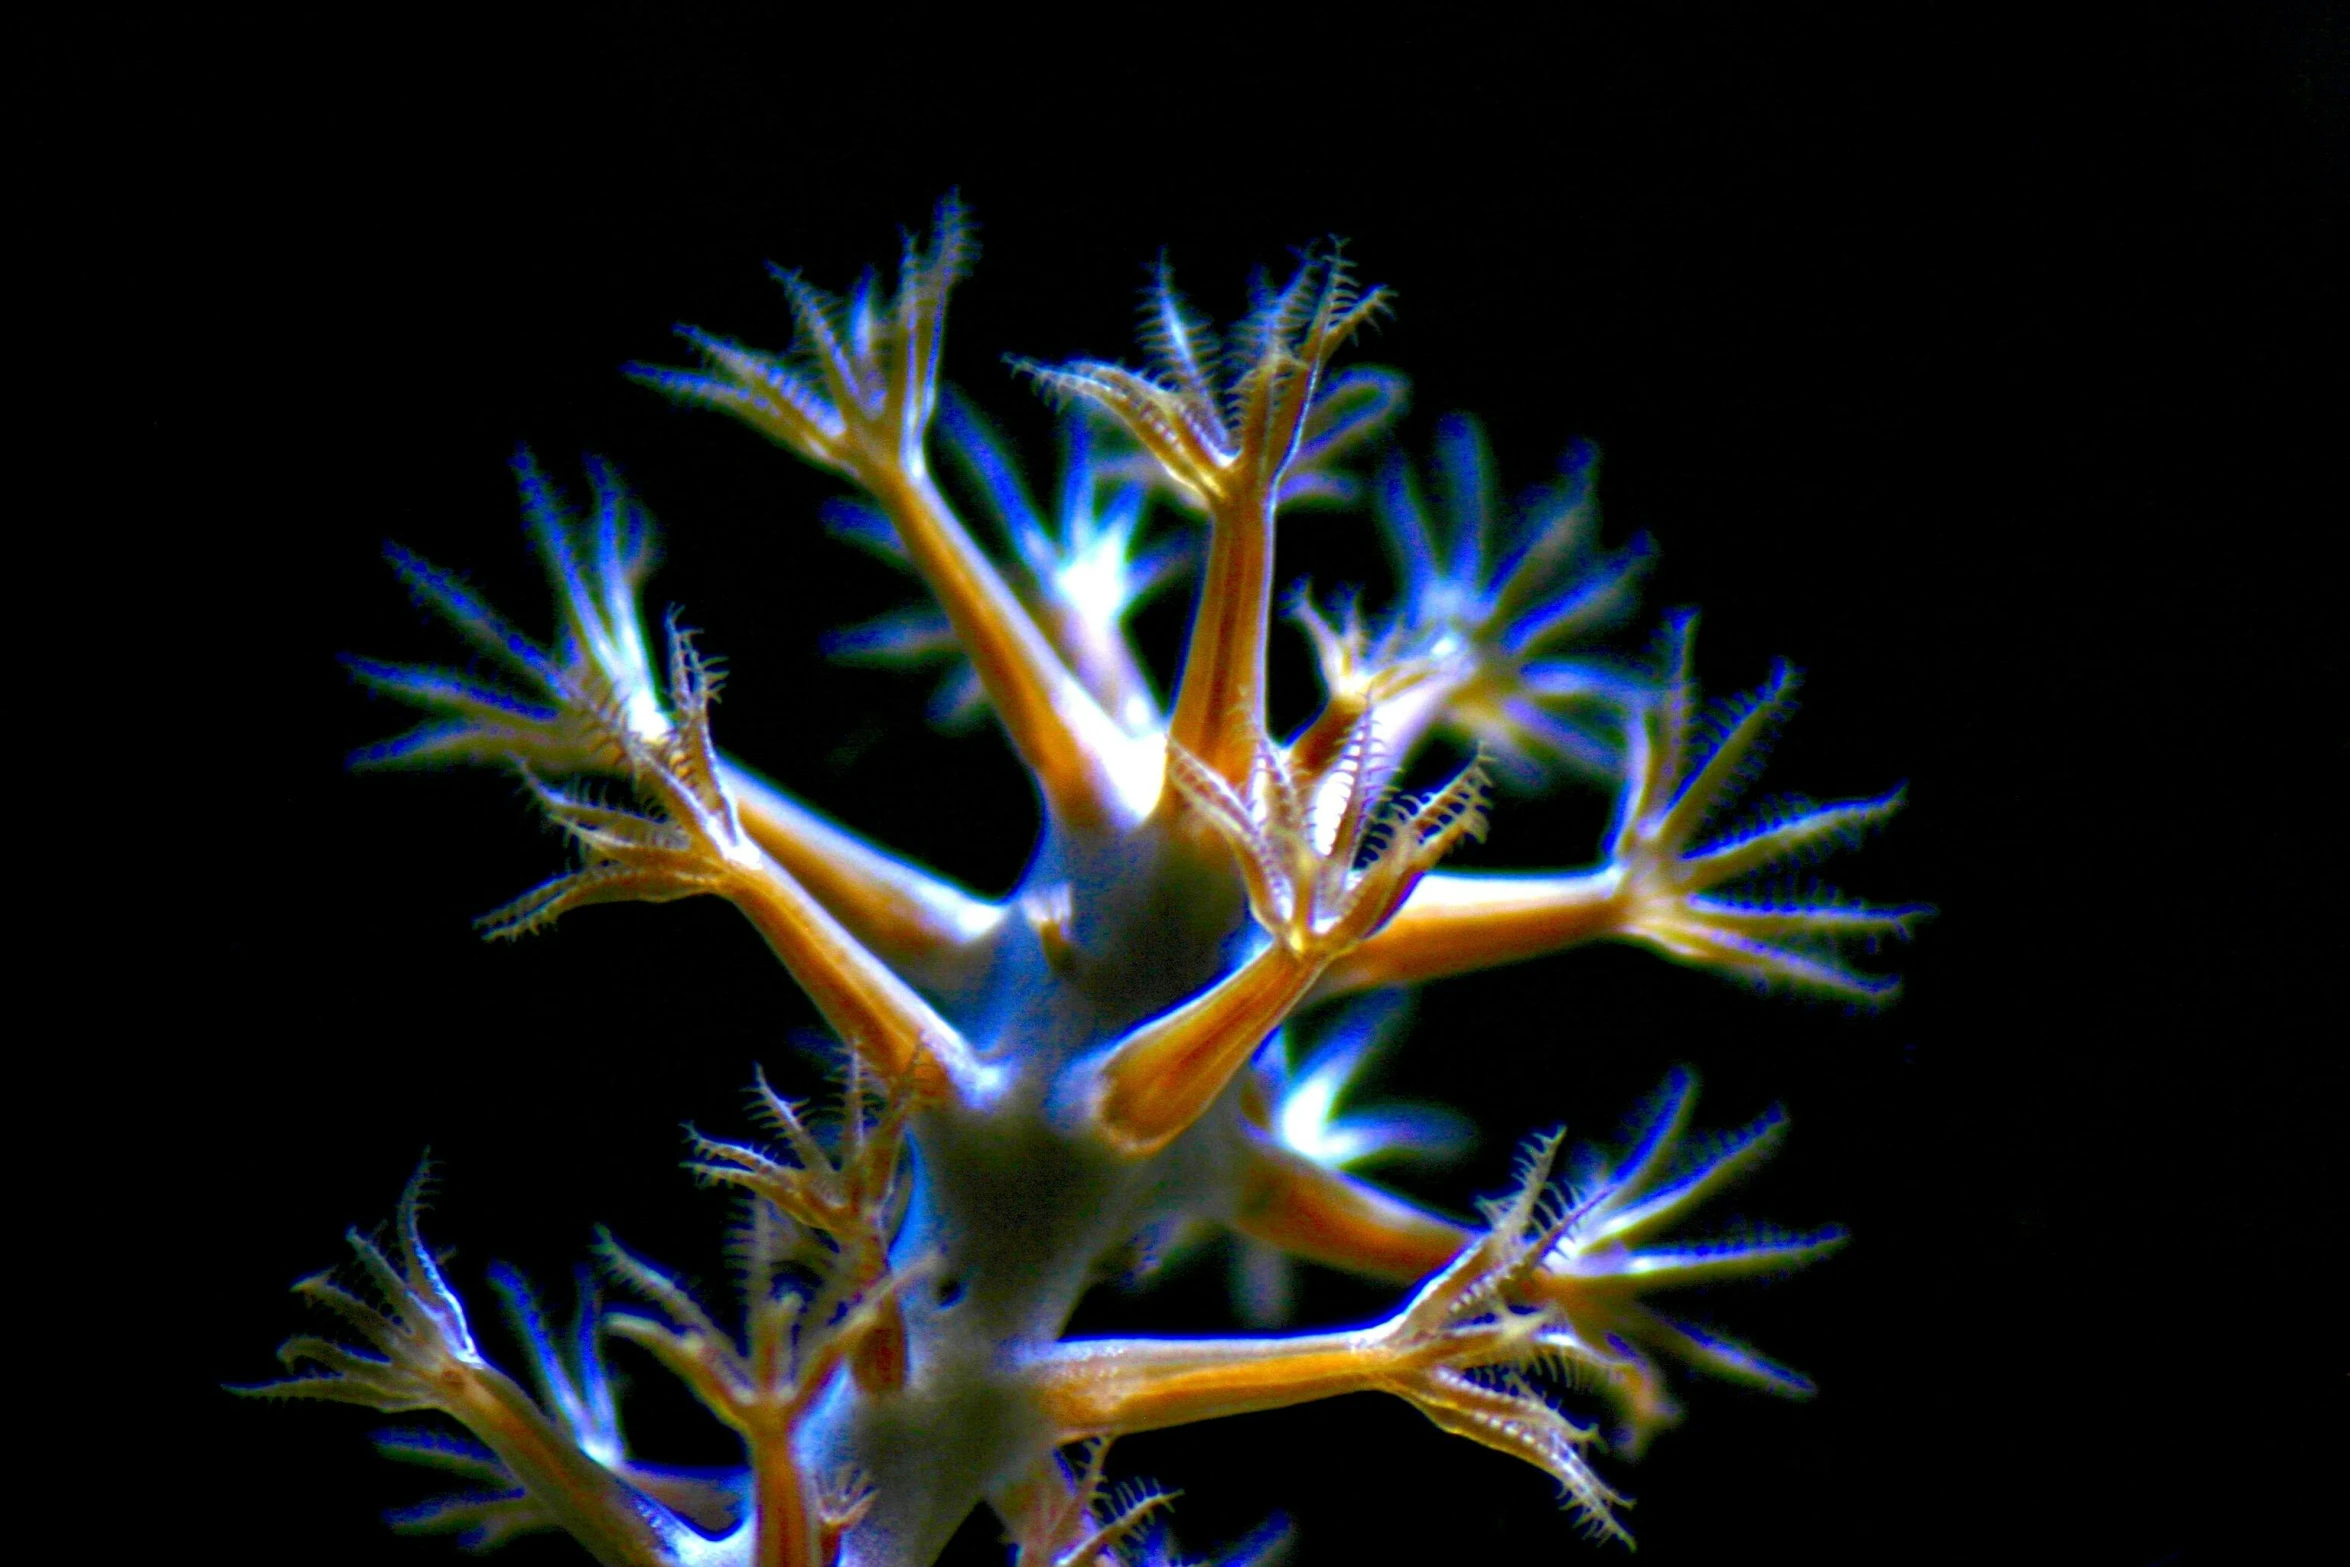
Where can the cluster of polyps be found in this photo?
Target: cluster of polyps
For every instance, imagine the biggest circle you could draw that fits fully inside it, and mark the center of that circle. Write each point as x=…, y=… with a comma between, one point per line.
x=1037, y=1081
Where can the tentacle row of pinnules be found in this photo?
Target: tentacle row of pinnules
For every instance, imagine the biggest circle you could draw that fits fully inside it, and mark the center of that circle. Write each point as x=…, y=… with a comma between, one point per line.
x=1118, y=1049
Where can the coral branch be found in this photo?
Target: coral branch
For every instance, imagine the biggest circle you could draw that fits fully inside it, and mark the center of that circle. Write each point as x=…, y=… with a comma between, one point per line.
x=1597, y=1272
x=854, y=1201
x=570, y=708
x=421, y=1356
x=694, y=844
x=1159, y=1078
x=763, y=1394
x=1457, y=1352
x=1231, y=448
x=1316, y=895
x=1313, y=1211
x=856, y=398
x=1080, y=571
x=1656, y=888
x=918, y=923
x=1093, y=774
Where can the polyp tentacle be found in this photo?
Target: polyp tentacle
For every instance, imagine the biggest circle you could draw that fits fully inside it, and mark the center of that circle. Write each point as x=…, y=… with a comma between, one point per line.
x=1597, y=1272
x=764, y=1394
x=865, y=417
x=1492, y=616
x=1312, y=898
x=854, y=1202
x=1452, y=1351
x=573, y=703
x=796, y=1339
x=1060, y=1515
x=1671, y=797
x=1231, y=450
x=695, y=845
x=424, y=1357
x=570, y=1379
x=1656, y=889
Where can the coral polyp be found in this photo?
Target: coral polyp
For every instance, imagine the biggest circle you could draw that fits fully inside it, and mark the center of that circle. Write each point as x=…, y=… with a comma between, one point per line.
x=1121, y=1045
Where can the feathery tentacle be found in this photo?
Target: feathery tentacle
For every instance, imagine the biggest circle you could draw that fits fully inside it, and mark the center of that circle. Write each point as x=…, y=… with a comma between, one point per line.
x=856, y=398
x=1458, y=1351
x=1663, y=883
x=1231, y=447
x=421, y=1356
x=1598, y=1271
x=1317, y=898
x=576, y=707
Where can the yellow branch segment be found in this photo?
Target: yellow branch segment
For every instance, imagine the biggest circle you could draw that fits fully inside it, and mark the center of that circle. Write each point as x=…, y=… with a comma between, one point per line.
x=1072, y=746
x=1161, y=1077
x=896, y=1033
x=1323, y=1215
x=916, y=922
x=590, y=1502
x=1310, y=1211
x=1114, y=1386
x=1453, y=924
x=1220, y=710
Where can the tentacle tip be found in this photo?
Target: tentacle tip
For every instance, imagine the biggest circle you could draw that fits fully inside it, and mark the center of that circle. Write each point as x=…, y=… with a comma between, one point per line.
x=1830, y=985
x=1871, y=992
x=1828, y=1240
x=384, y=756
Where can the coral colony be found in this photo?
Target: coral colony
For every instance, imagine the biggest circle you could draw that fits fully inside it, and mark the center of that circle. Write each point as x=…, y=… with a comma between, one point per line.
x=1107, y=1053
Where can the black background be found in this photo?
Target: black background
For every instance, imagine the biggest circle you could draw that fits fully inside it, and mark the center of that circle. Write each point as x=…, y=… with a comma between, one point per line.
x=1985, y=363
